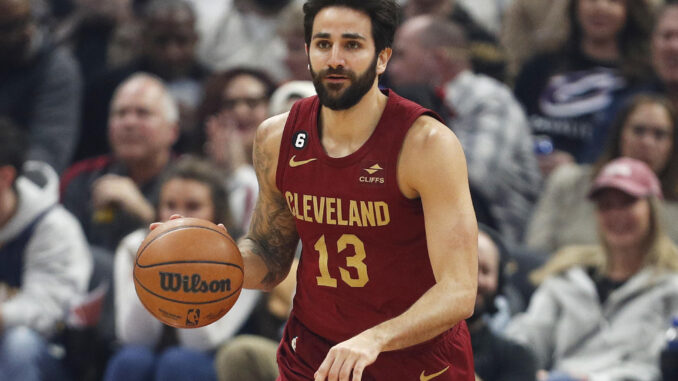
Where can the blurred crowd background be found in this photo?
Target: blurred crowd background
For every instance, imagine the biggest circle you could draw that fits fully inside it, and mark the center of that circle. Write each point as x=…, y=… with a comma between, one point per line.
x=117, y=113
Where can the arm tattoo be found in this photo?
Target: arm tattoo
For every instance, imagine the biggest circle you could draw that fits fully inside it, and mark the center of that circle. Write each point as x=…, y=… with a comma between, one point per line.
x=274, y=238
x=273, y=232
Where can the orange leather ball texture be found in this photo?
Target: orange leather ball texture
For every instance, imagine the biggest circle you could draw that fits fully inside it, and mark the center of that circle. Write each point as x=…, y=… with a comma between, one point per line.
x=188, y=272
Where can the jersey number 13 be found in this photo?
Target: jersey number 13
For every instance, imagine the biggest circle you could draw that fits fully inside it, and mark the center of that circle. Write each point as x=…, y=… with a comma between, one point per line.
x=355, y=261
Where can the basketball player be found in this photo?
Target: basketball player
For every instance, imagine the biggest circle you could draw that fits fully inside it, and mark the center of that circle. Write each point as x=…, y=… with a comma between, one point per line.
x=376, y=188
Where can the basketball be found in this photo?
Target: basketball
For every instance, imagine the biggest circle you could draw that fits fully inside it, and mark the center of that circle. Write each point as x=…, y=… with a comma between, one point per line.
x=188, y=272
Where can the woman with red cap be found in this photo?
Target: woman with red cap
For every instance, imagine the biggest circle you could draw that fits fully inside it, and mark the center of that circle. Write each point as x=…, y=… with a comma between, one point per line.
x=600, y=311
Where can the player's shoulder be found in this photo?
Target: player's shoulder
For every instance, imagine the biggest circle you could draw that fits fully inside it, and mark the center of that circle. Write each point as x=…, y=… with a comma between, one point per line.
x=428, y=132
x=271, y=130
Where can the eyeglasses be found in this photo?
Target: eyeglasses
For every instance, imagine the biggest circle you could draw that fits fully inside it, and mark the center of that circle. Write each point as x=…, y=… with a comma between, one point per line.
x=251, y=102
x=658, y=134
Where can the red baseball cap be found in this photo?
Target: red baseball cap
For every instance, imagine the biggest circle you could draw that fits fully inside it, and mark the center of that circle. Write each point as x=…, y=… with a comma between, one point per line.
x=630, y=176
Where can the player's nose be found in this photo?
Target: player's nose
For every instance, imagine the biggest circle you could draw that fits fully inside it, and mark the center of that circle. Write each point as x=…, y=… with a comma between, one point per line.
x=336, y=58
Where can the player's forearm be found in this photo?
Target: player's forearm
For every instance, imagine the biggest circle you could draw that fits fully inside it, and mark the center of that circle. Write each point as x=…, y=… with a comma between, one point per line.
x=440, y=308
x=264, y=267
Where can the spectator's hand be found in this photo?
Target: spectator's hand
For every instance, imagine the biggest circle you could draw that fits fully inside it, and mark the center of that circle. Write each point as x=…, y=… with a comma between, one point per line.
x=225, y=142
x=121, y=192
x=548, y=163
x=348, y=358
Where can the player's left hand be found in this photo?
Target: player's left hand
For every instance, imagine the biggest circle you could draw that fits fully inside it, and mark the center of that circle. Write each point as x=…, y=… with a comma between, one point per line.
x=348, y=358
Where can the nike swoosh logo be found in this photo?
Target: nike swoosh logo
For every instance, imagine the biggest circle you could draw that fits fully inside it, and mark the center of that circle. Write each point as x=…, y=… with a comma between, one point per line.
x=424, y=377
x=298, y=163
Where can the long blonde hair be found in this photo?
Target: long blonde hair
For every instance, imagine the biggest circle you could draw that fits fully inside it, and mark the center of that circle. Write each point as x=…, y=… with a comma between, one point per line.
x=662, y=253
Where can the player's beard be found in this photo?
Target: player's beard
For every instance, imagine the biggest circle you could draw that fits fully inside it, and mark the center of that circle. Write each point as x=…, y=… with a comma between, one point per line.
x=349, y=97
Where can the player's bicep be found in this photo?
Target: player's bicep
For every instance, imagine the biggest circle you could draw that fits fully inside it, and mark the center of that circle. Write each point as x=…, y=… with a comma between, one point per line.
x=437, y=172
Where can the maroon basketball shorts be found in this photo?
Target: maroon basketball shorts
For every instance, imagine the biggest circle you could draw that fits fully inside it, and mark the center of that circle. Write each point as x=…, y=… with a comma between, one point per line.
x=447, y=357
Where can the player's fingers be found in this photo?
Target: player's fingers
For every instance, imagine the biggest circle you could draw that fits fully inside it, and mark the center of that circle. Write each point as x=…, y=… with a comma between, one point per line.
x=358, y=369
x=335, y=370
x=346, y=369
x=322, y=373
x=223, y=227
x=154, y=225
x=175, y=216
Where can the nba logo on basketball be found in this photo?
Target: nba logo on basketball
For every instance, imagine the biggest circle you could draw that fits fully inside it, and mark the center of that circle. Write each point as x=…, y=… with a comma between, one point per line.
x=192, y=317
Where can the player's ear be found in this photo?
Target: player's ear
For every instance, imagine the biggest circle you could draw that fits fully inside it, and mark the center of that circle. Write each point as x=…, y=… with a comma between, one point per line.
x=382, y=60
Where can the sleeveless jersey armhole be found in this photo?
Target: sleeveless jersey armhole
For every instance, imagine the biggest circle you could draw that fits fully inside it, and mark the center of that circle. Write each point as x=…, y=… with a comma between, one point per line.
x=288, y=130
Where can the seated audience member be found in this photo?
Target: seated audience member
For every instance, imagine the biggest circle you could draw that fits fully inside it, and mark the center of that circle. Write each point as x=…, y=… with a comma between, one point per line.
x=487, y=119
x=485, y=52
x=568, y=93
x=495, y=357
x=168, y=41
x=45, y=263
x=245, y=34
x=86, y=27
x=113, y=195
x=150, y=350
x=645, y=130
x=235, y=103
x=291, y=31
x=601, y=311
x=531, y=27
x=40, y=85
x=251, y=356
x=665, y=50
x=285, y=95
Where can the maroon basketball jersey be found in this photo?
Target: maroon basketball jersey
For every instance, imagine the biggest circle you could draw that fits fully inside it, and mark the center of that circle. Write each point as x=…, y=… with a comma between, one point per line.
x=364, y=256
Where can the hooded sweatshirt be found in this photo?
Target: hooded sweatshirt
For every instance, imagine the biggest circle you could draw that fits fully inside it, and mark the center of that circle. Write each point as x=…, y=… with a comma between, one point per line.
x=45, y=263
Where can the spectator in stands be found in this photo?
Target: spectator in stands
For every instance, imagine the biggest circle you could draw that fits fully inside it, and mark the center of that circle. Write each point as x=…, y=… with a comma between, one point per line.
x=665, y=51
x=150, y=350
x=486, y=54
x=291, y=30
x=568, y=93
x=235, y=103
x=532, y=27
x=44, y=263
x=601, y=311
x=86, y=27
x=113, y=195
x=245, y=35
x=644, y=130
x=251, y=356
x=487, y=119
x=168, y=44
x=284, y=96
x=40, y=85
x=495, y=358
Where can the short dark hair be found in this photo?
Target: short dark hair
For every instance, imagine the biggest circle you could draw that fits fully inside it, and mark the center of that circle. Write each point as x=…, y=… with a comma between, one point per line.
x=13, y=144
x=385, y=16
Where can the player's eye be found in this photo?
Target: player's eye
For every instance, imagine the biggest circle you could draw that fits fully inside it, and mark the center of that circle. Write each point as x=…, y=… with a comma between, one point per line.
x=323, y=44
x=353, y=45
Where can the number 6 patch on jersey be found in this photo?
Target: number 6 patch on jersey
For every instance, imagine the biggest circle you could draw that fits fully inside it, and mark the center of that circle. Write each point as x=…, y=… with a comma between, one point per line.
x=300, y=139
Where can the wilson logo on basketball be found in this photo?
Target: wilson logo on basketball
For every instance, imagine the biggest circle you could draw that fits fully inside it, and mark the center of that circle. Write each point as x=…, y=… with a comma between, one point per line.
x=175, y=282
